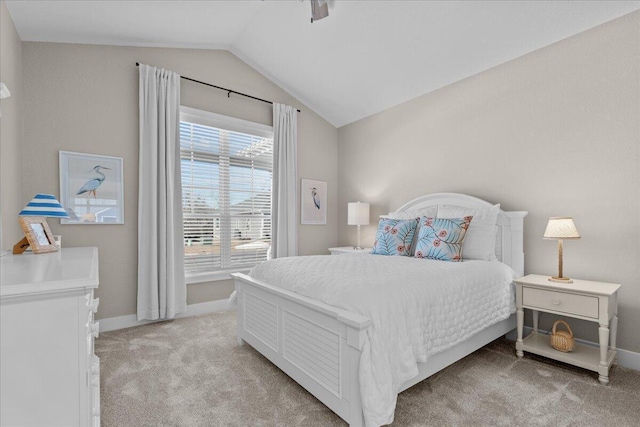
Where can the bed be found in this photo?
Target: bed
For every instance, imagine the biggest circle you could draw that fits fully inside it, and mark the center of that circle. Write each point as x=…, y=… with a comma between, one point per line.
x=321, y=346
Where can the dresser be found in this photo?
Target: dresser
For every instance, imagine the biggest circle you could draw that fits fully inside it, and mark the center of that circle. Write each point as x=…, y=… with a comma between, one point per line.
x=49, y=373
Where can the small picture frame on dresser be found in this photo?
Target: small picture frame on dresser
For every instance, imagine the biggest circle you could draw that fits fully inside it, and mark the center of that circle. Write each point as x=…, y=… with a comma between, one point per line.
x=38, y=234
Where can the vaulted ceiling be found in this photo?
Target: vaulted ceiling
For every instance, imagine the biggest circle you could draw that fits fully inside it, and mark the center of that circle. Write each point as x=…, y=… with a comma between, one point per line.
x=364, y=58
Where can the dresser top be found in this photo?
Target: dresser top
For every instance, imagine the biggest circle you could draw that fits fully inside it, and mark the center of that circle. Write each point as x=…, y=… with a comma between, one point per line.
x=580, y=286
x=65, y=270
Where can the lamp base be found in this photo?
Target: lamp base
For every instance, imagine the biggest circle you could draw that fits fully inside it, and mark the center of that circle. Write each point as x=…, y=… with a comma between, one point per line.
x=560, y=279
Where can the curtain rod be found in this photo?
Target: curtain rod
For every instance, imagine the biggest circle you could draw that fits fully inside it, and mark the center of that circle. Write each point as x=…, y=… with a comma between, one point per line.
x=229, y=91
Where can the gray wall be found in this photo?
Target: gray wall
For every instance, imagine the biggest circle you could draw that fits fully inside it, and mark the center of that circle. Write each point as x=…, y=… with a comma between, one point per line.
x=84, y=98
x=11, y=198
x=555, y=132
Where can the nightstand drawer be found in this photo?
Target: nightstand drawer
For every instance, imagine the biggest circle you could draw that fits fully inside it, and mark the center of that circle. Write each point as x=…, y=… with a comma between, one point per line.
x=581, y=305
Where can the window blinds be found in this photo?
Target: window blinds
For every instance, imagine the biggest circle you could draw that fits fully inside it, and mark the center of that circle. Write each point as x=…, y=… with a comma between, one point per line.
x=226, y=198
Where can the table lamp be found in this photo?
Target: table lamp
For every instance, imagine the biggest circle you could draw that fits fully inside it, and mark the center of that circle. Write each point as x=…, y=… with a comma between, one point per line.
x=358, y=214
x=33, y=220
x=560, y=228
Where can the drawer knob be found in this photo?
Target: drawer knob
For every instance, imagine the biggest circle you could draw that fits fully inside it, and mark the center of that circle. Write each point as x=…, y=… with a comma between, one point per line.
x=556, y=301
x=94, y=305
x=95, y=329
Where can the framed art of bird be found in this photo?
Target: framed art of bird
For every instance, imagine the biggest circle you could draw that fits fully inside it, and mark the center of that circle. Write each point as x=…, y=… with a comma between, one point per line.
x=313, y=202
x=91, y=188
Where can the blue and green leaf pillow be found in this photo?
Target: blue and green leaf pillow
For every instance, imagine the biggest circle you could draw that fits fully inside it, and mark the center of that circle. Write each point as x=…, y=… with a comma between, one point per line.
x=441, y=239
x=394, y=236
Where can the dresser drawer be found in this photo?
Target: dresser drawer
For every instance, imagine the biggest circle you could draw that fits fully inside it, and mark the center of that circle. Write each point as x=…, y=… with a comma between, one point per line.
x=581, y=305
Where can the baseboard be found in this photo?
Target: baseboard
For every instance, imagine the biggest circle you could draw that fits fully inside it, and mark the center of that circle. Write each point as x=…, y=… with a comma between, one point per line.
x=131, y=320
x=628, y=359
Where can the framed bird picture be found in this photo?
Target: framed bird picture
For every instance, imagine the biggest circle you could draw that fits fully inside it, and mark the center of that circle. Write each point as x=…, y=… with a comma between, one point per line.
x=91, y=188
x=313, y=201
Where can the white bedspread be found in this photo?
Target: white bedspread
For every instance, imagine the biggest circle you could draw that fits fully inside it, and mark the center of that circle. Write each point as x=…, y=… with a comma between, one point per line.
x=418, y=308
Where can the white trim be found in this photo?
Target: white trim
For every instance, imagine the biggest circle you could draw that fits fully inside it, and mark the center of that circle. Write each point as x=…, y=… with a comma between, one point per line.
x=207, y=118
x=214, y=276
x=130, y=320
x=626, y=358
x=110, y=42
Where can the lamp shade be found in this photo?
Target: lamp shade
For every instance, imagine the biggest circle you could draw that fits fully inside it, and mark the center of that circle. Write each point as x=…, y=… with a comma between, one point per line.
x=561, y=228
x=44, y=205
x=358, y=214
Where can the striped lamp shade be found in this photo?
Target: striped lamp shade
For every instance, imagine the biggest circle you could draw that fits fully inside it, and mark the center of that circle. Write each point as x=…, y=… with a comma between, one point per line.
x=44, y=205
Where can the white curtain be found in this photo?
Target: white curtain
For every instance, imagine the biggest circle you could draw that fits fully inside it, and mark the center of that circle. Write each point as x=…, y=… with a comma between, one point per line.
x=162, y=291
x=284, y=203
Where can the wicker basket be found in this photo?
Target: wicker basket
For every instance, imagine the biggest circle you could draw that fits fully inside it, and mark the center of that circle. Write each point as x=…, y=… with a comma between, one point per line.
x=562, y=340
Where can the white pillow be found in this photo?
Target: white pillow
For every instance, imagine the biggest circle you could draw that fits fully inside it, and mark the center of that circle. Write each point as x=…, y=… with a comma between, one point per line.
x=429, y=212
x=480, y=241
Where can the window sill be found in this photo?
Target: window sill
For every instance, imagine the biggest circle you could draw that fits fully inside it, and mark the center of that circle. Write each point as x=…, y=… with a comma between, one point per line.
x=213, y=277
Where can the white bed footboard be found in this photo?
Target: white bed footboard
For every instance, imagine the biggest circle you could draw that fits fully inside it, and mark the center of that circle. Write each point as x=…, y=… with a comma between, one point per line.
x=316, y=344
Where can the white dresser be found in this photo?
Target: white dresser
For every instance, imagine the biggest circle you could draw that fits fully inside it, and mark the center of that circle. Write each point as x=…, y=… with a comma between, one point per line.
x=49, y=373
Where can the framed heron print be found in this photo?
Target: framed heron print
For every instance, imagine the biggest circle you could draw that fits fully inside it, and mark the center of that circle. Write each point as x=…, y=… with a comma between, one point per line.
x=91, y=188
x=313, y=202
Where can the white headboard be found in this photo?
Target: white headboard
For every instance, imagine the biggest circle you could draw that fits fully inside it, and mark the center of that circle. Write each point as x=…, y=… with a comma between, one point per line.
x=509, y=237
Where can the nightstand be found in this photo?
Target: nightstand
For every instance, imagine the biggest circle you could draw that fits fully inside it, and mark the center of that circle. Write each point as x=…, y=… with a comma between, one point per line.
x=344, y=250
x=582, y=299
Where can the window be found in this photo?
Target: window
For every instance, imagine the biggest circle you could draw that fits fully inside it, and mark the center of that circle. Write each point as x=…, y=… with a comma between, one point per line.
x=227, y=169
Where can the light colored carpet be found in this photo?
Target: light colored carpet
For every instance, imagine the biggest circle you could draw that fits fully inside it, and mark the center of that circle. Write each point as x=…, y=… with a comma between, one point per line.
x=191, y=372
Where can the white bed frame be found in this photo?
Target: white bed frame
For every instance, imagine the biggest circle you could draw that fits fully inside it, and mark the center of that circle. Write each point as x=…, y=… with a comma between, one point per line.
x=319, y=345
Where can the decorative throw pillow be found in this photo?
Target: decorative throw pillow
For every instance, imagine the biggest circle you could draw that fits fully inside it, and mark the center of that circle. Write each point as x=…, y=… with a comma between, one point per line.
x=480, y=241
x=431, y=212
x=441, y=239
x=394, y=236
